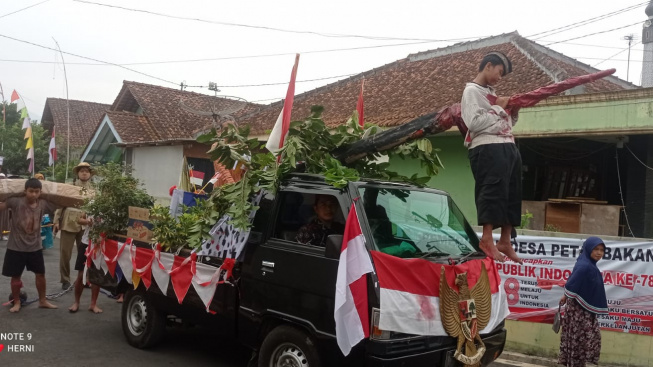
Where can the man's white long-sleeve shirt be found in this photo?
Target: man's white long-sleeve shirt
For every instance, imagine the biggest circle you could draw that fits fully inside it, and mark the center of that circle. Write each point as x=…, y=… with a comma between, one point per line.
x=487, y=123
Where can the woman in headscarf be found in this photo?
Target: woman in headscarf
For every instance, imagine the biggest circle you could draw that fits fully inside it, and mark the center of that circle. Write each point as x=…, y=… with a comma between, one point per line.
x=580, y=341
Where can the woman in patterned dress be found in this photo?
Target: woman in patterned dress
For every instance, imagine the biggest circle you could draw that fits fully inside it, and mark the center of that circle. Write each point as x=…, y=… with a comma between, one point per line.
x=580, y=341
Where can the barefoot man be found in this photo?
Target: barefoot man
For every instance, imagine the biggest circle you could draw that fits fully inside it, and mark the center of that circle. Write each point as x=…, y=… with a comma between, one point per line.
x=24, y=249
x=494, y=157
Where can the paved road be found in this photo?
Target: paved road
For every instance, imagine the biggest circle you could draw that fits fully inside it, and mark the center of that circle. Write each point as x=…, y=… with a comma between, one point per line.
x=60, y=338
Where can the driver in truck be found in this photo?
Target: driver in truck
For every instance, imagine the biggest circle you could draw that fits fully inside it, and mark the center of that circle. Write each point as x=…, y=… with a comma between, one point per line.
x=316, y=231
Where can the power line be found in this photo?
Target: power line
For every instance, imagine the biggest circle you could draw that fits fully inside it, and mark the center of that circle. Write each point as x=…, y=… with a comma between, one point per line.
x=25, y=8
x=587, y=21
x=593, y=34
x=618, y=53
x=331, y=35
x=88, y=58
x=280, y=83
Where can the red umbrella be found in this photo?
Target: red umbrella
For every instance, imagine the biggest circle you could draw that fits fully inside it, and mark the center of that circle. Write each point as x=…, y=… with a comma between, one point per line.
x=532, y=98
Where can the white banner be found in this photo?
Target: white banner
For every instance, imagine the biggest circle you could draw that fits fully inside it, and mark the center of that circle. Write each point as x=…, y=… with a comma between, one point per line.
x=534, y=289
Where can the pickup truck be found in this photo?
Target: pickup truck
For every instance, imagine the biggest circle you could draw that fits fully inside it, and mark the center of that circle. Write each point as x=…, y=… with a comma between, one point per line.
x=280, y=302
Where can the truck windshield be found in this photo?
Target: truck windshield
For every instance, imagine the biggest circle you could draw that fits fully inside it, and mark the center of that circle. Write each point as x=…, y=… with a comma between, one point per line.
x=413, y=224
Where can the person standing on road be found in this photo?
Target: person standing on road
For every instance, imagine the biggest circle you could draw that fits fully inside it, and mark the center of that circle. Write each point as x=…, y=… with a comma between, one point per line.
x=24, y=249
x=66, y=220
x=580, y=340
x=80, y=264
x=494, y=157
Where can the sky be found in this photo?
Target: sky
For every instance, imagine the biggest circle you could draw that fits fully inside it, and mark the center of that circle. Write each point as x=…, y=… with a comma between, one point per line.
x=388, y=28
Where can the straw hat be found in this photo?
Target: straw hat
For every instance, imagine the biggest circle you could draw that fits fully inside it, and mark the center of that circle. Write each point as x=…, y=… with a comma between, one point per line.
x=83, y=165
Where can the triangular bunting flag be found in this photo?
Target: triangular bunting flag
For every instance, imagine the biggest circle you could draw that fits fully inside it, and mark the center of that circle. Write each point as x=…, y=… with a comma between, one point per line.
x=23, y=113
x=161, y=276
x=205, y=282
x=27, y=123
x=136, y=279
x=142, y=263
x=125, y=263
x=181, y=275
x=14, y=96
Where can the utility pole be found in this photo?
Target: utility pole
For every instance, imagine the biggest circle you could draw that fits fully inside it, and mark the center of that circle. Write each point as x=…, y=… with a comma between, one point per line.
x=67, y=114
x=630, y=39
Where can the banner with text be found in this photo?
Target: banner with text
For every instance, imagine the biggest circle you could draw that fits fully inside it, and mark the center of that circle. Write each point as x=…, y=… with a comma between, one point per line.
x=535, y=288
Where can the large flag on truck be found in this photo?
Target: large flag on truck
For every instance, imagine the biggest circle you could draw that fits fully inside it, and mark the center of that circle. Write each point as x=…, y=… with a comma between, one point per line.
x=410, y=293
x=351, y=314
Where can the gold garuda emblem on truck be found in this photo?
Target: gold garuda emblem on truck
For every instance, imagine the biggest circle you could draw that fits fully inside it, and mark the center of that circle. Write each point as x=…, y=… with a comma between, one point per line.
x=465, y=313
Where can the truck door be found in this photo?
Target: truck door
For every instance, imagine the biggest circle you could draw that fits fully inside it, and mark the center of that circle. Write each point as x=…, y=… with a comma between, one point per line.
x=290, y=280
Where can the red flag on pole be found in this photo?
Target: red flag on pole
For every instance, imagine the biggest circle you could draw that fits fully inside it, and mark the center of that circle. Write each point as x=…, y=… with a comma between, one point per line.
x=359, y=106
x=278, y=134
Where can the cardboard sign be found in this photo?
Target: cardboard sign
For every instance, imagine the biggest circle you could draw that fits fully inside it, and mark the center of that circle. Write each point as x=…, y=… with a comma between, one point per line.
x=139, y=227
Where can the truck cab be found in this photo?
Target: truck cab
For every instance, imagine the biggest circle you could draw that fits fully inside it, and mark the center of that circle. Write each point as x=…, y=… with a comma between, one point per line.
x=281, y=303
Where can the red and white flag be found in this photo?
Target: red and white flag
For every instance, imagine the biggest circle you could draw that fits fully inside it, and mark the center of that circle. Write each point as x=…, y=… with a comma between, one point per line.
x=52, y=150
x=196, y=178
x=410, y=299
x=351, y=314
x=14, y=96
x=360, y=107
x=280, y=129
x=215, y=178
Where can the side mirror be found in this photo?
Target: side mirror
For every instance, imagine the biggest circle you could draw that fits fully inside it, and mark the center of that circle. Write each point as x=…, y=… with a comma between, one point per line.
x=333, y=246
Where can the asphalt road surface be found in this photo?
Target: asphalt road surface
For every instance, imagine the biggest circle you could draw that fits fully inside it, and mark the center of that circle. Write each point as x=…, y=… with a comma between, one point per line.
x=61, y=338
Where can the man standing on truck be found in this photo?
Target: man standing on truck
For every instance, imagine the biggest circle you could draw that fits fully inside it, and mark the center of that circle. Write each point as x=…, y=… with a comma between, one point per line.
x=494, y=157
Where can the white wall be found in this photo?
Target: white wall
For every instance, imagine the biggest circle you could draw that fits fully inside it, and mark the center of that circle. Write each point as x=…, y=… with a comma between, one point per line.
x=158, y=168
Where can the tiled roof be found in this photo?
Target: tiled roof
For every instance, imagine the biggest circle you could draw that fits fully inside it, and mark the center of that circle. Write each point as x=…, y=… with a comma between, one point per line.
x=132, y=127
x=84, y=118
x=169, y=113
x=421, y=83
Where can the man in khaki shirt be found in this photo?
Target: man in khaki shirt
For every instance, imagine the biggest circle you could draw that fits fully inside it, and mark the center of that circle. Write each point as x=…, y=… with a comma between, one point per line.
x=66, y=220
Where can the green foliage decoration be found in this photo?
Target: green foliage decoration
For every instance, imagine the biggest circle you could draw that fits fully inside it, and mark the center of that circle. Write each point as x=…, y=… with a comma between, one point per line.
x=115, y=191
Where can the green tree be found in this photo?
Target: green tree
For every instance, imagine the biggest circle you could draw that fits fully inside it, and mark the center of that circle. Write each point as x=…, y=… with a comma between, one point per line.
x=13, y=144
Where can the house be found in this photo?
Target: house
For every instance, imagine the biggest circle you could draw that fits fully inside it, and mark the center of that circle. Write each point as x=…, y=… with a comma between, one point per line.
x=424, y=82
x=84, y=117
x=153, y=129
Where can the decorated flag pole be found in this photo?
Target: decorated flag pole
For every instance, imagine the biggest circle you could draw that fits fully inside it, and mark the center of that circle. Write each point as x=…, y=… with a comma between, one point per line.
x=27, y=126
x=360, y=108
x=65, y=75
x=52, y=152
x=280, y=130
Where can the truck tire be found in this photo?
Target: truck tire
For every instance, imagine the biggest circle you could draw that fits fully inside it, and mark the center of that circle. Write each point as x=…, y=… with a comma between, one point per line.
x=287, y=346
x=142, y=323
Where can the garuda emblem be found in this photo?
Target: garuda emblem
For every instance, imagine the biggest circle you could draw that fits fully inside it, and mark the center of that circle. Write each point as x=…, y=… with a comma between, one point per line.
x=464, y=313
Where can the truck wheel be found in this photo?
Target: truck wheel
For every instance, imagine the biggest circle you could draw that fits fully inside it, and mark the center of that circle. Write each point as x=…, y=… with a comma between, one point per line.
x=286, y=346
x=142, y=324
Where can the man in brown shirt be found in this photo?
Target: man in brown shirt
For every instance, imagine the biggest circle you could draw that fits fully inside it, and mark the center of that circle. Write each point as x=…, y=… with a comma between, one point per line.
x=66, y=220
x=24, y=249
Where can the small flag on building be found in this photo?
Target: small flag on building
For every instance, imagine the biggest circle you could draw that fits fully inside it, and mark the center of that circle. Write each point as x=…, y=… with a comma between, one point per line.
x=215, y=178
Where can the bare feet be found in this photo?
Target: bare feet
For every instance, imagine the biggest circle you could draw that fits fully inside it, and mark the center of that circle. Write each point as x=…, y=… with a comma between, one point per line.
x=507, y=249
x=95, y=309
x=120, y=299
x=46, y=304
x=15, y=308
x=74, y=308
x=491, y=250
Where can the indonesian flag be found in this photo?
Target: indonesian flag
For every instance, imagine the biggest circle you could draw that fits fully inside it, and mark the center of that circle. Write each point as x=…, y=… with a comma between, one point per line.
x=410, y=290
x=351, y=313
x=196, y=177
x=359, y=106
x=280, y=129
x=52, y=150
x=215, y=178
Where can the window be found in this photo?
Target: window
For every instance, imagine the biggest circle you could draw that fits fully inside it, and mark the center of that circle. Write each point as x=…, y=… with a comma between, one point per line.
x=412, y=223
x=308, y=218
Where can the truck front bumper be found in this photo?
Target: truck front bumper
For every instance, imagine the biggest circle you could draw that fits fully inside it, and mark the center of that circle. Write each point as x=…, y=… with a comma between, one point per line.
x=494, y=344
